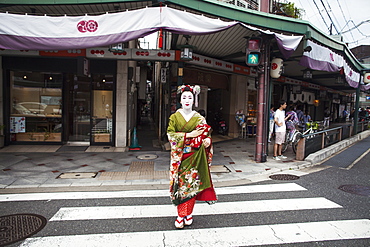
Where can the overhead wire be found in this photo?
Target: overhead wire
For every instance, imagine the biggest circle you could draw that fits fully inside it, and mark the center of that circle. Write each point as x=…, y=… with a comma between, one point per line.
x=329, y=15
x=345, y=19
x=334, y=16
x=341, y=18
x=322, y=17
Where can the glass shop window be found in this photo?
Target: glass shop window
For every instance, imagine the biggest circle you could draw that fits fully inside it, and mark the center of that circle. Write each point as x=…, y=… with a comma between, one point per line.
x=36, y=106
x=102, y=108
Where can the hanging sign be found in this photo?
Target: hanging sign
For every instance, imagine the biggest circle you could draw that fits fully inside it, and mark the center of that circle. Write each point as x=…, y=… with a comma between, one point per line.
x=163, y=75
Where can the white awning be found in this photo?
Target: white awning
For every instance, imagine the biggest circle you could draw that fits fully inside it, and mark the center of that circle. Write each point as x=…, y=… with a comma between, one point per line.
x=29, y=32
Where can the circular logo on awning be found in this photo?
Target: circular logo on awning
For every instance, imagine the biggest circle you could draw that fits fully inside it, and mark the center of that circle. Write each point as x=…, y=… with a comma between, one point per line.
x=87, y=26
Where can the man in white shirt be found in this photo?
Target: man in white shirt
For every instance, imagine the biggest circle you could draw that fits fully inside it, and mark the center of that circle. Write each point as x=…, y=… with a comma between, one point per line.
x=280, y=130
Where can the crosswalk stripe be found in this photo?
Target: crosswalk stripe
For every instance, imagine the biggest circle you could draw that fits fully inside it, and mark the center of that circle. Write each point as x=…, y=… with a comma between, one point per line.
x=145, y=193
x=119, y=212
x=227, y=236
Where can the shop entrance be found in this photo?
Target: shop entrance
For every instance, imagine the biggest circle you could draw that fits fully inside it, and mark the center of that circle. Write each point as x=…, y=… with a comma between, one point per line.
x=89, y=110
x=78, y=110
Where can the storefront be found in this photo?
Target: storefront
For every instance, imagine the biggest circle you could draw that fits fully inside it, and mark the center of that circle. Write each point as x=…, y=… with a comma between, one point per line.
x=49, y=100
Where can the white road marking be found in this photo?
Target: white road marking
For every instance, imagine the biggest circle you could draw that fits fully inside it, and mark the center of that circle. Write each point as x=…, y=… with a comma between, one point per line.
x=358, y=159
x=119, y=212
x=144, y=193
x=227, y=236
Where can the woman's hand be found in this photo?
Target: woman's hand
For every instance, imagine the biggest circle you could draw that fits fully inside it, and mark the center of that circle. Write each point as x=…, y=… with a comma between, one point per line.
x=195, y=133
x=207, y=142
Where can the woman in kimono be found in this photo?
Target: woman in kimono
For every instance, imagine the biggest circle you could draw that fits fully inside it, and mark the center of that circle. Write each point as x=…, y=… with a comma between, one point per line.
x=191, y=156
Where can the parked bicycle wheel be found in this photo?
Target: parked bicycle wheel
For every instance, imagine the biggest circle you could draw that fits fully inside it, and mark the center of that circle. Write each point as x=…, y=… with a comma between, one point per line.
x=285, y=145
x=327, y=139
x=295, y=141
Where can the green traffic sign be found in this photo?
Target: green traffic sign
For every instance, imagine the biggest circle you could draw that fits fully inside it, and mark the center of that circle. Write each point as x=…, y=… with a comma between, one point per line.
x=253, y=58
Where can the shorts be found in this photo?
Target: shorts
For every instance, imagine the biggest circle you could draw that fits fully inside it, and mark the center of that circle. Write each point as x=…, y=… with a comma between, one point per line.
x=279, y=137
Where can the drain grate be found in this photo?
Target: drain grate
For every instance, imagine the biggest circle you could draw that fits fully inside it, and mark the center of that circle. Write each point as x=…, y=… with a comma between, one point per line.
x=78, y=175
x=284, y=177
x=16, y=227
x=356, y=189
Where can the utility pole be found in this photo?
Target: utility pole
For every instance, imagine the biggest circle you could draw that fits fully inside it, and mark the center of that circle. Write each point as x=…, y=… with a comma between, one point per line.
x=262, y=106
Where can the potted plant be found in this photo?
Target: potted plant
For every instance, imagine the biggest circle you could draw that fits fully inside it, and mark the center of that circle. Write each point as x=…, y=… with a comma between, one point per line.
x=2, y=135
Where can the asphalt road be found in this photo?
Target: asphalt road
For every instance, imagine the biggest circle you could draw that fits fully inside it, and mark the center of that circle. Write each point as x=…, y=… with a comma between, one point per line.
x=317, y=193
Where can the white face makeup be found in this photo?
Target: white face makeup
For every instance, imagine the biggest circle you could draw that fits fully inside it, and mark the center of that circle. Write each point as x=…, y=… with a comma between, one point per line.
x=187, y=100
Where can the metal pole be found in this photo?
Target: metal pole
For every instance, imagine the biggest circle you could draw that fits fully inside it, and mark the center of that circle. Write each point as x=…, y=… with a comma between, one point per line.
x=160, y=106
x=261, y=135
x=357, y=104
x=268, y=106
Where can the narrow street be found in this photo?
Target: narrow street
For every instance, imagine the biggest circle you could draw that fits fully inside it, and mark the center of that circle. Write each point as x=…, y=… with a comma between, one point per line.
x=319, y=208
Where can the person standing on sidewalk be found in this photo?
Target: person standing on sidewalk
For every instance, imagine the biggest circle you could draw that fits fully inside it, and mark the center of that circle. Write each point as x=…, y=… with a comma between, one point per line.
x=280, y=130
x=300, y=115
x=305, y=119
x=326, y=117
x=271, y=126
x=191, y=156
x=292, y=121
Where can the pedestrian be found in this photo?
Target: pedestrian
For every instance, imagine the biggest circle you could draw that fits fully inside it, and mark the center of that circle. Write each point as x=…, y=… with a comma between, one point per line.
x=344, y=115
x=363, y=114
x=326, y=117
x=191, y=156
x=300, y=115
x=271, y=126
x=352, y=114
x=280, y=130
x=292, y=121
x=305, y=119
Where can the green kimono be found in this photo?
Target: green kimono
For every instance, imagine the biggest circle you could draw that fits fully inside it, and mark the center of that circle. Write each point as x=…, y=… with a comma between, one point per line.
x=189, y=169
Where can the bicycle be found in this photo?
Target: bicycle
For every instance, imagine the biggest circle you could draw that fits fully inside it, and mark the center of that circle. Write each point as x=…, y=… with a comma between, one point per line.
x=294, y=138
x=290, y=139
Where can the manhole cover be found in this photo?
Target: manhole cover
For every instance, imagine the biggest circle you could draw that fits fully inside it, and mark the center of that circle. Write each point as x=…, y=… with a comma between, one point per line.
x=147, y=157
x=284, y=177
x=16, y=227
x=78, y=175
x=356, y=189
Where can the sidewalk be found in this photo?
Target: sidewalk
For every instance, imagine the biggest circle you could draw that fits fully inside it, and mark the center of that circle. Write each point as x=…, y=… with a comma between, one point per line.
x=105, y=169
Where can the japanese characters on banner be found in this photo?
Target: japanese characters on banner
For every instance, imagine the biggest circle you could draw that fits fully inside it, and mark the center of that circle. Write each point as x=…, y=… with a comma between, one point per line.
x=323, y=59
x=17, y=124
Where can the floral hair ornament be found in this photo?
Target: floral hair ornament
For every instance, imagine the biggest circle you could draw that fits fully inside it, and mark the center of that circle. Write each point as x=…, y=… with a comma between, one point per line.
x=194, y=89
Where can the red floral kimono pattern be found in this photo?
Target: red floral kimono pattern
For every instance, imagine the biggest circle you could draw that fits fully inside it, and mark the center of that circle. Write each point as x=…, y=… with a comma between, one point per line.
x=189, y=168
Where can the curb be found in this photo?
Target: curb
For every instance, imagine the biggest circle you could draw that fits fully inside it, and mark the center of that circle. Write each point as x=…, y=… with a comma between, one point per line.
x=325, y=153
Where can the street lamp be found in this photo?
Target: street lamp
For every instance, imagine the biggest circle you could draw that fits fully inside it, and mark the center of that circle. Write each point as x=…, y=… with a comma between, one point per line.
x=340, y=80
x=117, y=47
x=307, y=74
x=186, y=50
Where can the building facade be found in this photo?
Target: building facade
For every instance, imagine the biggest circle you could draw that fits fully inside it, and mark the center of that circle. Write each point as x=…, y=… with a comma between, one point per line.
x=96, y=95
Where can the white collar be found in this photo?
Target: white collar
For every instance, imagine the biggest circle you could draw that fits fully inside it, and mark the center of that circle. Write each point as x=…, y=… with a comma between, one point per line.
x=186, y=116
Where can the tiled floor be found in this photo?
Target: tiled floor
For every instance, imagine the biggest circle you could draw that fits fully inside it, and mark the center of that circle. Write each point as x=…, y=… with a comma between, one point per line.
x=91, y=149
x=30, y=148
x=54, y=148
